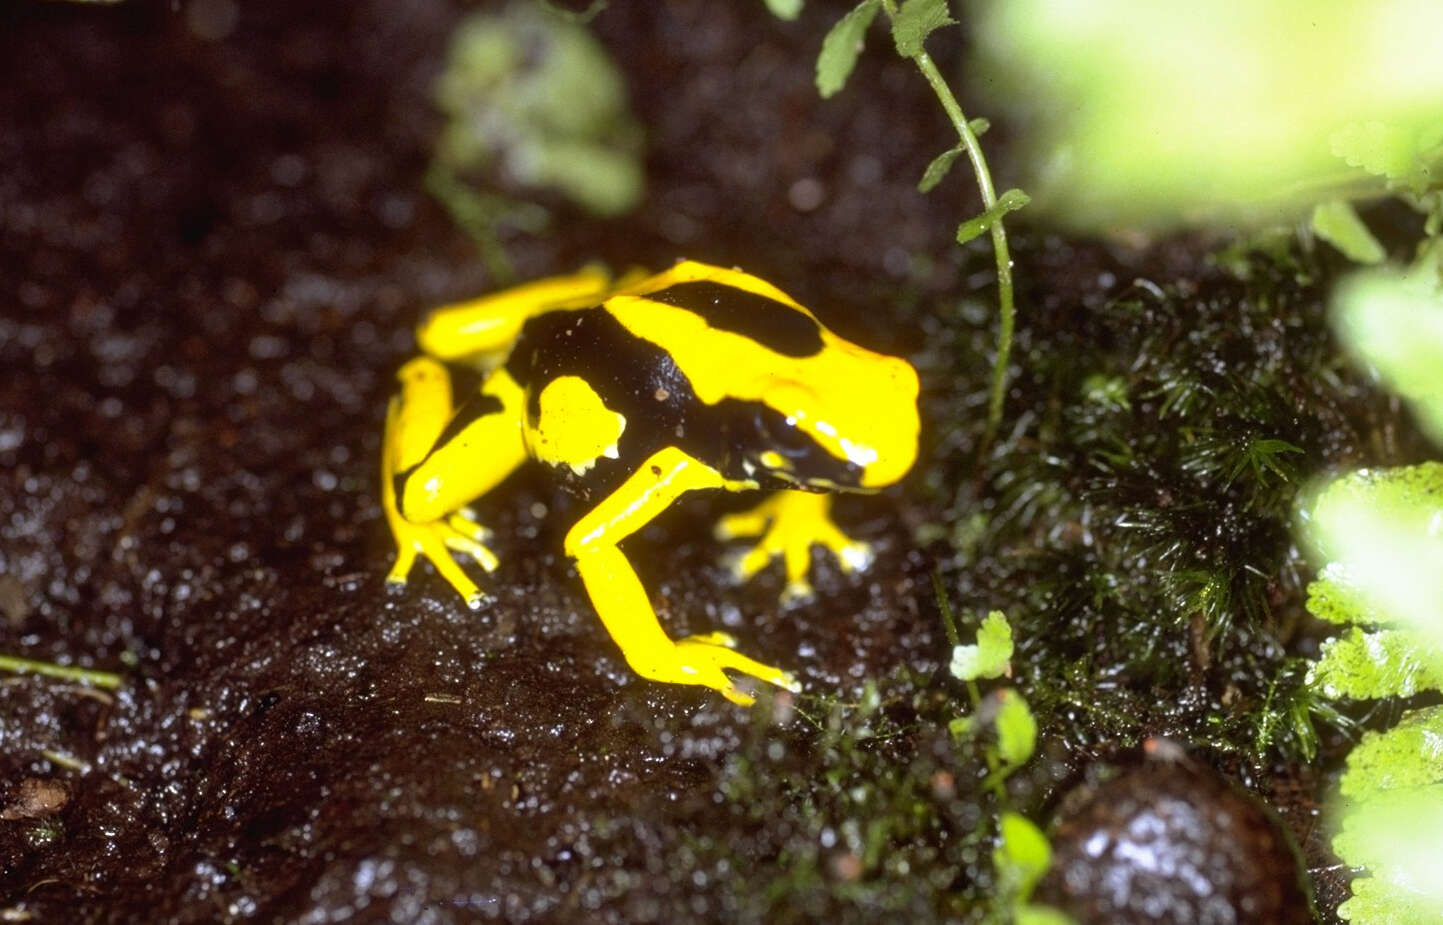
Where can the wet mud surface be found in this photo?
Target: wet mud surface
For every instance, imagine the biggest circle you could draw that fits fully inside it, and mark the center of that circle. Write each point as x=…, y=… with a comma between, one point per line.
x=214, y=251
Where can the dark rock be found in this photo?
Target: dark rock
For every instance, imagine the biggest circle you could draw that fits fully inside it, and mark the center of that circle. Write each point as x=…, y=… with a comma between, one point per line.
x=1170, y=842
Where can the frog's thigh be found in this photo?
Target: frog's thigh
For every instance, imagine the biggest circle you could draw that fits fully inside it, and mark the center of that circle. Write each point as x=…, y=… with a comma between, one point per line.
x=417, y=414
x=471, y=451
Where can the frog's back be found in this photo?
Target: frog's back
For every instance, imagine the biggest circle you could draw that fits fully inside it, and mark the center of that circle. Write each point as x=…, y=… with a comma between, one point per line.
x=625, y=382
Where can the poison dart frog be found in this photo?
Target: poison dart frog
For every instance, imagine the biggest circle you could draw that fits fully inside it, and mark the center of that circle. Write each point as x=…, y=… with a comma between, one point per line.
x=636, y=391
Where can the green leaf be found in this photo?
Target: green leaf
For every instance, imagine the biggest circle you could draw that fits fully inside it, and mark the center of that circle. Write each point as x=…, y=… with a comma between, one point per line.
x=537, y=91
x=1016, y=729
x=1263, y=456
x=978, y=126
x=989, y=657
x=1379, y=902
x=1335, y=222
x=785, y=9
x=938, y=169
x=1109, y=392
x=1368, y=664
x=1022, y=853
x=1381, y=529
x=1029, y=914
x=1337, y=600
x=1398, y=836
x=1397, y=153
x=1010, y=201
x=916, y=20
x=842, y=45
x=1394, y=321
x=1408, y=756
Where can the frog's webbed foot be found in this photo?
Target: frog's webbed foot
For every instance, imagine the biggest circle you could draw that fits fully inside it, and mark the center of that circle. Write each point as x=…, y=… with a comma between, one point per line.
x=441, y=541
x=787, y=524
x=704, y=659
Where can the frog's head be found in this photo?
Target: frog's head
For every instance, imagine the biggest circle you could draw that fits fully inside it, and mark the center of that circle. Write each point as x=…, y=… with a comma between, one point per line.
x=848, y=421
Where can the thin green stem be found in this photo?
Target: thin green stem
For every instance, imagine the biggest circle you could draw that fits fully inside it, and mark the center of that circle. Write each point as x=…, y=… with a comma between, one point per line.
x=65, y=761
x=18, y=665
x=1008, y=317
x=944, y=607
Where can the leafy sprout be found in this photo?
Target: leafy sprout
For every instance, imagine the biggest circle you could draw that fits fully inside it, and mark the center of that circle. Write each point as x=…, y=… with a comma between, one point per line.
x=912, y=21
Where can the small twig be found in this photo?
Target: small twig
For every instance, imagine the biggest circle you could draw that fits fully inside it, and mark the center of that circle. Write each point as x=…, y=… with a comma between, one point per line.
x=90, y=676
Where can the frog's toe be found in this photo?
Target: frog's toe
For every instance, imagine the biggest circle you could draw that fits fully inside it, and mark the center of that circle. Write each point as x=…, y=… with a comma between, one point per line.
x=742, y=524
x=478, y=553
x=714, y=638
x=709, y=659
x=401, y=568
x=744, y=564
x=705, y=660
x=798, y=591
x=854, y=555
x=736, y=695
x=464, y=523
x=438, y=543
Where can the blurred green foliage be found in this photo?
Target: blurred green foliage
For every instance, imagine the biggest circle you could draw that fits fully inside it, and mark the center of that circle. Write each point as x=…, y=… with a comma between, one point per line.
x=1214, y=111
x=1389, y=821
x=1392, y=321
x=536, y=97
x=533, y=103
x=1381, y=535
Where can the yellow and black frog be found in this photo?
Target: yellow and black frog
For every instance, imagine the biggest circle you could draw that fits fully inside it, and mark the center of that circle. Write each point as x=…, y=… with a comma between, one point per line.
x=636, y=391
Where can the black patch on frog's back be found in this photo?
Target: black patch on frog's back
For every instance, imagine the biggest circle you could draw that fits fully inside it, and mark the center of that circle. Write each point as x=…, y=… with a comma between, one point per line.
x=775, y=325
x=633, y=377
x=640, y=381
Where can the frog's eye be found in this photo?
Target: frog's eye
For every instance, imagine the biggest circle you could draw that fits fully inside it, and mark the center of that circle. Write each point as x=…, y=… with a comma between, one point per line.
x=782, y=436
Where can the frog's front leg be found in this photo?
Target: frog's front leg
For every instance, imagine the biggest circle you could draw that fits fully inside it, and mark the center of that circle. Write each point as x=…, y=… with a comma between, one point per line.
x=788, y=523
x=434, y=462
x=621, y=601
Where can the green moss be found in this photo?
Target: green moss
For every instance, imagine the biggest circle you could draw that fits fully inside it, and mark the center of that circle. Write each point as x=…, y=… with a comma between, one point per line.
x=1138, y=520
x=866, y=811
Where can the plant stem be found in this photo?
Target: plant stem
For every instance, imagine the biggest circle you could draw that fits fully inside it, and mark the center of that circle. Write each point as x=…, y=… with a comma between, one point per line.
x=64, y=672
x=1008, y=317
x=944, y=608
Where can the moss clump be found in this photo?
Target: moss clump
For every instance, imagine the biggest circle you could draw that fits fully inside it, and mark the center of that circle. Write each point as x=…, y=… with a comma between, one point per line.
x=1137, y=522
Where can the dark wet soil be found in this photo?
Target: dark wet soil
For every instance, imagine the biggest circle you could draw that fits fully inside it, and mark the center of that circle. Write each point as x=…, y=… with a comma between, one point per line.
x=214, y=244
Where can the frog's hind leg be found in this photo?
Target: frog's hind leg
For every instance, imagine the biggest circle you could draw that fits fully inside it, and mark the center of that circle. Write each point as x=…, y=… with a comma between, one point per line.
x=435, y=461
x=621, y=601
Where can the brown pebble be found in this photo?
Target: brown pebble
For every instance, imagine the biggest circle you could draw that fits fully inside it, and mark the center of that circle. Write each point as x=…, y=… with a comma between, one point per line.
x=1171, y=842
x=35, y=798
